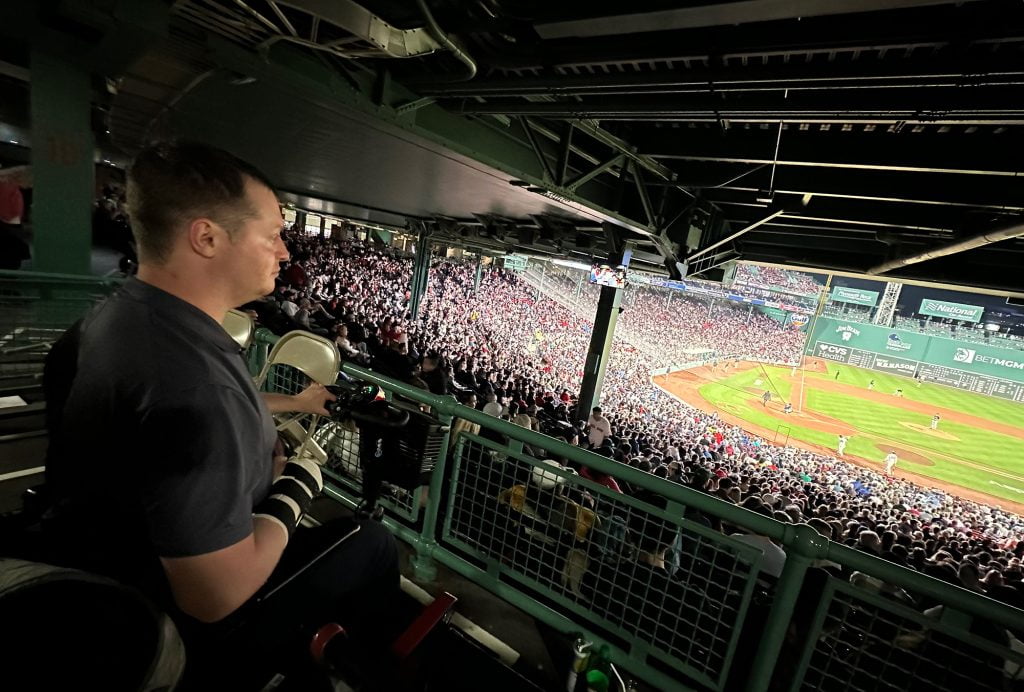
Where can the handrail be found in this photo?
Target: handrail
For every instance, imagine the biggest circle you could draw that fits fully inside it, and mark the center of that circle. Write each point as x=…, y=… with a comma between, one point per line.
x=673, y=491
x=43, y=277
x=802, y=544
x=795, y=538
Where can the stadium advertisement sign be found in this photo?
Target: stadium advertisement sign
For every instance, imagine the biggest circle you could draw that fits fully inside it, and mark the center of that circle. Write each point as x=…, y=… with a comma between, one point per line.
x=953, y=311
x=894, y=365
x=977, y=358
x=834, y=352
x=857, y=296
x=869, y=337
x=972, y=367
x=515, y=262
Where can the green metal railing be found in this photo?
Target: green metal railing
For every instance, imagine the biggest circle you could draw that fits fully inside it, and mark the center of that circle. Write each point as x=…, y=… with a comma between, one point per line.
x=35, y=309
x=576, y=555
x=719, y=623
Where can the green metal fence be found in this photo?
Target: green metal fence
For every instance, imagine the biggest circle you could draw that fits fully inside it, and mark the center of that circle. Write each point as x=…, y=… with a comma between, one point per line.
x=593, y=555
x=35, y=309
x=340, y=443
x=578, y=556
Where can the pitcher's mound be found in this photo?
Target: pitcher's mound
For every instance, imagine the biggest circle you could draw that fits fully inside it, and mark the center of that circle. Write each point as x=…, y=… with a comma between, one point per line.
x=905, y=455
x=941, y=434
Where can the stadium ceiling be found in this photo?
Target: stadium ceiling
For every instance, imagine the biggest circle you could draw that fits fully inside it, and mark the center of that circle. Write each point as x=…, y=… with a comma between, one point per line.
x=863, y=136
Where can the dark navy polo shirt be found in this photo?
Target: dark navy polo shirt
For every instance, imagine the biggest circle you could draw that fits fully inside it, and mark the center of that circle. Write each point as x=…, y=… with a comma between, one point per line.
x=165, y=445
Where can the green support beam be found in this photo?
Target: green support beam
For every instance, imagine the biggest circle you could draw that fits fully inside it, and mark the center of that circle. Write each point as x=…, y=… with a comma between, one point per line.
x=62, y=165
x=608, y=308
x=420, y=273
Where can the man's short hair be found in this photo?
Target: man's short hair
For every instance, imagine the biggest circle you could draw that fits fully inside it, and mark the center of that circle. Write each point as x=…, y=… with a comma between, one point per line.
x=172, y=182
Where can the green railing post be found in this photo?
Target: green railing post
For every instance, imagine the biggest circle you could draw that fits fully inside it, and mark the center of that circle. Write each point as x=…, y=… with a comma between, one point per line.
x=423, y=561
x=802, y=545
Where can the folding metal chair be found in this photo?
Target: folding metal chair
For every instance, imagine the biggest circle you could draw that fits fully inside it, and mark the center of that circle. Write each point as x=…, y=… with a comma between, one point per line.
x=239, y=327
x=318, y=359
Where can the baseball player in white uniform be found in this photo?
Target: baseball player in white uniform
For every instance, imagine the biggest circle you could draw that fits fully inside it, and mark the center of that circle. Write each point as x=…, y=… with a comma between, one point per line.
x=890, y=462
x=842, y=445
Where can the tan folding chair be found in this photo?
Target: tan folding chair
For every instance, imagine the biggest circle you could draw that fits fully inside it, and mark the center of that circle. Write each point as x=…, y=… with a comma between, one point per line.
x=239, y=327
x=318, y=359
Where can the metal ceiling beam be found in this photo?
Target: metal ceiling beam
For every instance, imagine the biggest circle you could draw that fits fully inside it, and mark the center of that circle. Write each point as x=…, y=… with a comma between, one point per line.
x=975, y=26
x=719, y=14
x=617, y=159
x=546, y=171
x=960, y=71
x=1015, y=230
x=836, y=164
x=356, y=19
x=939, y=105
x=735, y=235
x=726, y=195
x=645, y=199
x=565, y=146
x=689, y=150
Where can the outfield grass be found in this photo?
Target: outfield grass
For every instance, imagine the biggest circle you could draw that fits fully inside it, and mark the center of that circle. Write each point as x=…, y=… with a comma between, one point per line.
x=978, y=405
x=879, y=424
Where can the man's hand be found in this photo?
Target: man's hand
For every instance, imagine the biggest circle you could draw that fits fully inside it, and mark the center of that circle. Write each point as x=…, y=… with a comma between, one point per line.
x=313, y=399
x=310, y=400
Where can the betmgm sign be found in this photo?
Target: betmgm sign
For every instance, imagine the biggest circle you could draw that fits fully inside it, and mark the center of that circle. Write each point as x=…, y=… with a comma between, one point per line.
x=971, y=355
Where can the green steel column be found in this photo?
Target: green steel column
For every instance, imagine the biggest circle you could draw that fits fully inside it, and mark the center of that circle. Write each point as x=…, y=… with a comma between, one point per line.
x=802, y=544
x=323, y=226
x=600, y=349
x=423, y=562
x=420, y=269
x=62, y=166
x=300, y=221
x=822, y=300
x=479, y=272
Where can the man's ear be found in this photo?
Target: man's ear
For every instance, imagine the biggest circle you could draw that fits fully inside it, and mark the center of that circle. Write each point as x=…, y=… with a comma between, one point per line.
x=205, y=237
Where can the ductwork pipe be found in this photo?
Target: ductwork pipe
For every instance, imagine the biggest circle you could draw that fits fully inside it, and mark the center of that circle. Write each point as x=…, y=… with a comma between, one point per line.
x=1014, y=231
x=441, y=37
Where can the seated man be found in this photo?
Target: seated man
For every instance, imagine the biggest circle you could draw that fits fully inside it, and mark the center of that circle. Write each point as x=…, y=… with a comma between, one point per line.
x=161, y=462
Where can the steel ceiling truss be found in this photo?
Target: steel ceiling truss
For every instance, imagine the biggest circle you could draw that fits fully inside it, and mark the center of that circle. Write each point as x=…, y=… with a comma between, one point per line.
x=343, y=28
x=893, y=137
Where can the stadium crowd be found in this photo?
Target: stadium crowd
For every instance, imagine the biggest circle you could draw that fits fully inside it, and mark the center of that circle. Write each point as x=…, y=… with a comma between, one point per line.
x=775, y=279
x=509, y=350
x=673, y=328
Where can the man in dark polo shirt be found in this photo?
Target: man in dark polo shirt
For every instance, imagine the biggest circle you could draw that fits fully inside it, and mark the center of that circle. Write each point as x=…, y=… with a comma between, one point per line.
x=162, y=456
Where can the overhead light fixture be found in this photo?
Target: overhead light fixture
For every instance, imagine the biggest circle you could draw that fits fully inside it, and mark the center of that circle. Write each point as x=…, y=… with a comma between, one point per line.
x=241, y=80
x=765, y=196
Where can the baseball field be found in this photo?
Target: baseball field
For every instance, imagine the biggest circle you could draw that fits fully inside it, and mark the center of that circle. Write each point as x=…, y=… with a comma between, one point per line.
x=974, y=451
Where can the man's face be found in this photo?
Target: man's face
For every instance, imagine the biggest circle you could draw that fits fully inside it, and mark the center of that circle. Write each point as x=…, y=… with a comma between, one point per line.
x=257, y=249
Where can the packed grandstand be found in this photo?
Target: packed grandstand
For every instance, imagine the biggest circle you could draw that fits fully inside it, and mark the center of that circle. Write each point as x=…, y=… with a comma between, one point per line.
x=510, y=350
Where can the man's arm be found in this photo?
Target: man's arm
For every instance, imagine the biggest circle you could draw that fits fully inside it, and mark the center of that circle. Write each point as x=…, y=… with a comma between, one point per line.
x=210, y=587
x=310, y=400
